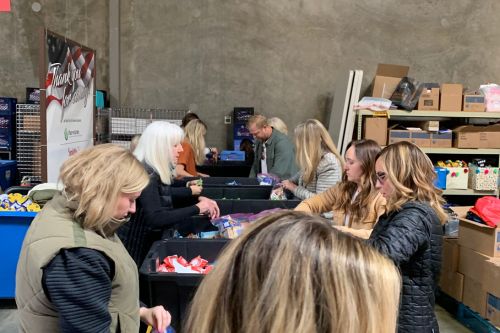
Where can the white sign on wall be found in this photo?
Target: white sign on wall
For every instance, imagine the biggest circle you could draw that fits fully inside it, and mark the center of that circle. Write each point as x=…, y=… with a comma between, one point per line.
x=69, y=101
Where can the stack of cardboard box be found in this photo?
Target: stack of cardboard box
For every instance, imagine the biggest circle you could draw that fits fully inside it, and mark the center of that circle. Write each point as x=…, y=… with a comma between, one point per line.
x=471, y=267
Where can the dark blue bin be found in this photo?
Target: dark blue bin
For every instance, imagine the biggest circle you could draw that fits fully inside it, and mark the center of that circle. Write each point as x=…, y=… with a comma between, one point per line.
x=13, y=227
x=8, y=174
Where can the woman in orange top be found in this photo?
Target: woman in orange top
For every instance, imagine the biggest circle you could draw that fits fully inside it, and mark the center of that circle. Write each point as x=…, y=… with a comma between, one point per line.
x=193, y=150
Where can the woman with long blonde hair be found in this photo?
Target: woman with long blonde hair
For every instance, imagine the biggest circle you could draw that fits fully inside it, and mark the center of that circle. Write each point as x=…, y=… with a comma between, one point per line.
x=292, y=272
x=355, y=202
x=410, y=233
x=319, y=161
x=193, y=146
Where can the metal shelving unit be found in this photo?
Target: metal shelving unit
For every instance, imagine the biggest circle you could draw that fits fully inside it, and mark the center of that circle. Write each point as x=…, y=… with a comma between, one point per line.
x=439, y=115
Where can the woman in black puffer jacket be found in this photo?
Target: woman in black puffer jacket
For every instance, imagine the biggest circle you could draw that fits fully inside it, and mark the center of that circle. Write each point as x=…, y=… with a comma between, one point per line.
x=410, y=232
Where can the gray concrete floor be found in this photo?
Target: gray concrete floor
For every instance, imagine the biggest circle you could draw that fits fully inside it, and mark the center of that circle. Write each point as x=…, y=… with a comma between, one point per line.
x=447, y=324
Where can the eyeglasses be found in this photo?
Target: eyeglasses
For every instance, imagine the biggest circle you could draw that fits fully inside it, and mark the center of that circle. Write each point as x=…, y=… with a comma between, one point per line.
x=381, y=176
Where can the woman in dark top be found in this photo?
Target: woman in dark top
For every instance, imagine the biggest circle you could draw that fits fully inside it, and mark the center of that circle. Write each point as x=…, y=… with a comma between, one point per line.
x=73, y=274
x=410, y=232
x=164, y=203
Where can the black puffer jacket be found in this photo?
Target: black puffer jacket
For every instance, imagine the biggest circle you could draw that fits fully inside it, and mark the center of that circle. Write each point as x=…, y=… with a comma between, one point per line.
x=155, y=212
x=412, y=238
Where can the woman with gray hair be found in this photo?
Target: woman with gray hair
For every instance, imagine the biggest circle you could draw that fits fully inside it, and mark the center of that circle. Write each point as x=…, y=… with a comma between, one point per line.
x=165, y=203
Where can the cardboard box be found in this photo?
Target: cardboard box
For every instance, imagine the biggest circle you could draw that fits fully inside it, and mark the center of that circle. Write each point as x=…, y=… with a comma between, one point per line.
x=490, y=137
x=483, y=179
x=375, y=128
x=419, y=138
x=451, y=97
x=441, y=140
x=474, y=103
x=472, y=263
x=429, y=99
x=430, y=125
x=491, y=279
x=451, y=254
x=474, y=296
x=457, y=178
x=387, y=79
x=452, y=283
x=476, y=236
x=493, y=309
x=466, y=136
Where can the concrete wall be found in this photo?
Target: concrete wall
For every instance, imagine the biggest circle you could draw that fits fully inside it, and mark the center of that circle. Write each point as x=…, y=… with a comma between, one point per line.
x=84, y=21
x=280, y=56
x=283, y=56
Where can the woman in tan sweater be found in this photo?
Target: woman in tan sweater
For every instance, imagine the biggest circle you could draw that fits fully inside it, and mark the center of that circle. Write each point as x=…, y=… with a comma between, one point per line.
x=355, y=202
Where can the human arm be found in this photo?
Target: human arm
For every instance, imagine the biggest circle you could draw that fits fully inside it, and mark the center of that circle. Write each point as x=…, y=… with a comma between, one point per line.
x=319, y=203
x=404, y=234
x=77, y=281
x=328, y=173
x=361, y=233
x=180, y=170
x=154, y=212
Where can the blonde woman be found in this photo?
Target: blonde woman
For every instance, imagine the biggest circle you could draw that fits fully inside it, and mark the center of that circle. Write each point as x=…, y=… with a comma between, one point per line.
x=410, y=233
x=292, y=272
x=355, y=201
x=73, y=274
x=318, y=159
x=193, y=147
x=279, y=124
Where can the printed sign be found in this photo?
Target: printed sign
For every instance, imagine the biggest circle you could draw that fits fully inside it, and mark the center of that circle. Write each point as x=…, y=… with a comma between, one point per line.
x=69, y=101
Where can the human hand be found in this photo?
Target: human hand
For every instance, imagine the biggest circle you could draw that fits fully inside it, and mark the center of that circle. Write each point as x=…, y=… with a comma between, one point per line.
x=157, y=317
x=208, y=207
x=203, y=174
x=288, y=185
x=195, y=189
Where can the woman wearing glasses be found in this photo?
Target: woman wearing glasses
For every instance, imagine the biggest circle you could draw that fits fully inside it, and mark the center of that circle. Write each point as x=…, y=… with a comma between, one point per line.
x=410, y=232
x=355, y=201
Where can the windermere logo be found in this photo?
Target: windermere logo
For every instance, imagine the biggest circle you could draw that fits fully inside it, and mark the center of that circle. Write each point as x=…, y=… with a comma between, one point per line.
x=69, y=133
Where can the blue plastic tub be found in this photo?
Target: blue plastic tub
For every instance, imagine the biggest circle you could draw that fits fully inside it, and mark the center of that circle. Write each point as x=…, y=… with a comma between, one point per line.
x=13, y=227
x=440, y=181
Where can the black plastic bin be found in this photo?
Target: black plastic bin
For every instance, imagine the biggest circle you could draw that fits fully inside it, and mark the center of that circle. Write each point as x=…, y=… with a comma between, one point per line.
x=200, y=223
x=225, y=168
x=223, y=181
x=229, y=192
x=175, y=290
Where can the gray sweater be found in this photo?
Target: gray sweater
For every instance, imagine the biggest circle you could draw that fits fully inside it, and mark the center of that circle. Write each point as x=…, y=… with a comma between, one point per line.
x=328, y=173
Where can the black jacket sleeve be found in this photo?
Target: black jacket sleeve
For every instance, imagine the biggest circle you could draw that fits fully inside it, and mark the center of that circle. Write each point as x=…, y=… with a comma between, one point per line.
x=78, y=283
x=158, y=216
x=407, y=231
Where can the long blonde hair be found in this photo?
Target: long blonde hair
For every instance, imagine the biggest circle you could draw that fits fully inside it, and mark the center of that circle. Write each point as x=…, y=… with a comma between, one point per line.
x=155, y=148
x=278, y=124
x=94, y=179
x=195, y=134
x=312, y=141
x=359, y=208
x=293, y=272
x=412, y=174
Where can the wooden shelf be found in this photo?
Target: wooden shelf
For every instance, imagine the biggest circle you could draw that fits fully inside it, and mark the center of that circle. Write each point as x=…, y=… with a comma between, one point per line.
x=442, y=114
x=468, y=192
